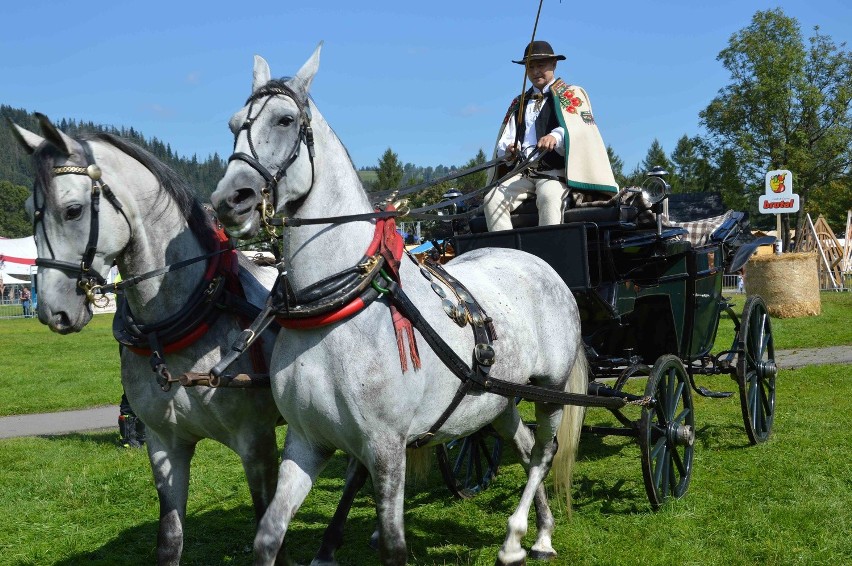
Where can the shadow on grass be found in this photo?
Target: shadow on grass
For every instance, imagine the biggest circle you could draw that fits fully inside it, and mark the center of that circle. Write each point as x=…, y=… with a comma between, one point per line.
x=226, y=537
x=97, y=438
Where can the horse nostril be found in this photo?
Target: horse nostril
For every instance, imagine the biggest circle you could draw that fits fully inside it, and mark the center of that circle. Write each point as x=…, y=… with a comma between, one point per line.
x=240, y=196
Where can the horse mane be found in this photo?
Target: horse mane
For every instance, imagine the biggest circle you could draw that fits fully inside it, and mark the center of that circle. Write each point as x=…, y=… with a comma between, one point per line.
x=177, y=188
x=184, y=196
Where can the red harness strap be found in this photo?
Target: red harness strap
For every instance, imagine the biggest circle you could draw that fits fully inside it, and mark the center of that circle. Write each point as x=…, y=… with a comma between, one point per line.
x=389, y=243
x=225, y=264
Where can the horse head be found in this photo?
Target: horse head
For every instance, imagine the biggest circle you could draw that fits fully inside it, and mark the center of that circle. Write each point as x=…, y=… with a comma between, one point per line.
x=77, y=239
x=273, y=160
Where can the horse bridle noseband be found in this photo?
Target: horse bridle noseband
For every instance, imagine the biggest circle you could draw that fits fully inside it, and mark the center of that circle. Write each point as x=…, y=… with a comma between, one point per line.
x=88, y=279
x=306, y=136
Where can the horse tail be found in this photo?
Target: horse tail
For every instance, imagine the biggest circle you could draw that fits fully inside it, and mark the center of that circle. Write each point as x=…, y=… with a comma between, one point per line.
x=568, y=434
x=418, y=464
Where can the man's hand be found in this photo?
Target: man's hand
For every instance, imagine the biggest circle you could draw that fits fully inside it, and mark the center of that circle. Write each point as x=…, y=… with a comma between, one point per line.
x=546, y=143
x=511, y=153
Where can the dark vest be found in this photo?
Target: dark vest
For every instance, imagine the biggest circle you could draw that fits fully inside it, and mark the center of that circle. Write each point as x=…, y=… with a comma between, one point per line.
x=544, y=124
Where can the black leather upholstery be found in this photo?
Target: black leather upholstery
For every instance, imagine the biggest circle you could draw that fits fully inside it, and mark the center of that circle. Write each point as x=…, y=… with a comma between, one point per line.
x=526, y=215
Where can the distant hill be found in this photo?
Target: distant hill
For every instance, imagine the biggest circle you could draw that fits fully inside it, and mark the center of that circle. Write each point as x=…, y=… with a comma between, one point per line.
x=15, y=164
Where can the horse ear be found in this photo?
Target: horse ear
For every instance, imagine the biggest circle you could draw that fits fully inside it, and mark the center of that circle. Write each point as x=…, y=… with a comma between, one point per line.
x=28, y=140
x=261, y=74
x=62, y=141
x=308, y=70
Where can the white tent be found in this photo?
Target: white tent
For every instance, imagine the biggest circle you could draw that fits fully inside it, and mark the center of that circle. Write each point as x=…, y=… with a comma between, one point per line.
x=9, y=280
x=17, y=258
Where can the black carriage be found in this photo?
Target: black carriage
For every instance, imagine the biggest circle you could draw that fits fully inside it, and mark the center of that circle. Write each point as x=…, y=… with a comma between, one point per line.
x=650, y=298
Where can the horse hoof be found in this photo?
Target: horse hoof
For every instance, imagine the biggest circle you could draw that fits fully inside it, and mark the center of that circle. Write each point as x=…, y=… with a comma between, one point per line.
x=542, y=554
x=516, y=559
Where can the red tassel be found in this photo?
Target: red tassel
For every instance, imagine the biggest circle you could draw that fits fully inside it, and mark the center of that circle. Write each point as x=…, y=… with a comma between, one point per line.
x=402, y=326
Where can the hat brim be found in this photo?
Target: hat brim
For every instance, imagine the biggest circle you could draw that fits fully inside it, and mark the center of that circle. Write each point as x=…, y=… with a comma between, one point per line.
x=540, y=58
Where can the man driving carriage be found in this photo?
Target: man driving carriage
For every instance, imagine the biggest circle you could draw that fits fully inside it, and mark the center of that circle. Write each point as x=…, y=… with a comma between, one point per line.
x=557, y=119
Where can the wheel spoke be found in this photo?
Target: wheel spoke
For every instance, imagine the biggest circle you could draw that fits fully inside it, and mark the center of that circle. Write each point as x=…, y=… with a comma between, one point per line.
x=659, y=464
x=658, y=446
x=677, y=397
x=678, y=461
x=462, y=456
x=666, y=474
x=489, y=459
x=671, y=397
x=764, y=397
x=681, y=417
x=755, y=408
x=477, y=463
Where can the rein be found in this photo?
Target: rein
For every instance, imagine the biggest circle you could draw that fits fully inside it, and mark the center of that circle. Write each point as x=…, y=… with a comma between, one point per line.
x=404, y=211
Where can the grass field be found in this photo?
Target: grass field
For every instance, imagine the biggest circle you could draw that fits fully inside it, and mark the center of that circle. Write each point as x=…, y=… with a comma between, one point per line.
x=78, y=499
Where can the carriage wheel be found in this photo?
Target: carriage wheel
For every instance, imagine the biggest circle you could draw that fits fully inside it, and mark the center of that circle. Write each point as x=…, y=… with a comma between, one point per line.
x=667, y=431
x=469, y=464
x=756, y=370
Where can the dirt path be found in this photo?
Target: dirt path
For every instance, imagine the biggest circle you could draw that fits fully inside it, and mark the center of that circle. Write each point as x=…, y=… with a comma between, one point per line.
x=107, y=417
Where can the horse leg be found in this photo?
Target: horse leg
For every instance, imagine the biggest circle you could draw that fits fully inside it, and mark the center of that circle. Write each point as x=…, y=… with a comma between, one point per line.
x=511, y=428
x=170, y=466
x=260, y=463
x=388, y=476
x=301, y=463
x=356, y=476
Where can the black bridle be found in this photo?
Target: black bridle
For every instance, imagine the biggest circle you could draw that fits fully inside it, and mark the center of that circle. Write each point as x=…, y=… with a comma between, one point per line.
x=306, y=137
x=88, y=279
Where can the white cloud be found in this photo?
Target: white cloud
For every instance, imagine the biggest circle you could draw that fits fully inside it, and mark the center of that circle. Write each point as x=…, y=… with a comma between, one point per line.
x=159, y=110
x=472, y=110
x=193, y=78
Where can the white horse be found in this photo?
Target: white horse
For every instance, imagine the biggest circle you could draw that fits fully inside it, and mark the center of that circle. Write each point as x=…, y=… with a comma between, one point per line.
x=153, y=220
x=341, y=385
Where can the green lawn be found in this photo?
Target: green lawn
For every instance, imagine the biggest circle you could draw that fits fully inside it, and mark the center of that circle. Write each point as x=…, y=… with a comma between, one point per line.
x=78, y=499
x=45, y=372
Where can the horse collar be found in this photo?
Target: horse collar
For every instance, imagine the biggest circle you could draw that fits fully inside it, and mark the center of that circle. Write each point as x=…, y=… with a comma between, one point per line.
x=346, y=293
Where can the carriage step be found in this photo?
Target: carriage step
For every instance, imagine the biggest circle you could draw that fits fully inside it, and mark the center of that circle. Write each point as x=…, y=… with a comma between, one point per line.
x=704, y=392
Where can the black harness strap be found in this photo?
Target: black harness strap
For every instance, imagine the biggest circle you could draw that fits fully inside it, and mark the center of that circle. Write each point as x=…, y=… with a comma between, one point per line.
x=484, y=380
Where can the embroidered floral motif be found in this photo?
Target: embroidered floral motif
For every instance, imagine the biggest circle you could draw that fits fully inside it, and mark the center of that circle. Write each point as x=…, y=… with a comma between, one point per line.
x=587, y=117
x=567, y=98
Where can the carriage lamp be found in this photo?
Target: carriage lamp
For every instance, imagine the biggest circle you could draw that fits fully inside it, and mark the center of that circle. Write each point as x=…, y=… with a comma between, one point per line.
x=655, y=191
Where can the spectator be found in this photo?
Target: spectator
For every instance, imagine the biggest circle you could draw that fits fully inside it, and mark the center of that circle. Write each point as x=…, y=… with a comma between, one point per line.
x=26, y=302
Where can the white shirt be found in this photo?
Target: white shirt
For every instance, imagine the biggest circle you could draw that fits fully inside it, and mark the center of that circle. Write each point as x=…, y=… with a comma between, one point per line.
x=530, y=140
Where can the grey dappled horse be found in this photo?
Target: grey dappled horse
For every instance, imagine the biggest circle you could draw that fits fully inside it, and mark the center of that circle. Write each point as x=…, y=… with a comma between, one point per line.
x=341, y=385
x=159, y=222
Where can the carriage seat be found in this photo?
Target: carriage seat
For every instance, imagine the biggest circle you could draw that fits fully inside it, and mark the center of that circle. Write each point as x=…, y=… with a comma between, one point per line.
x=599, y=212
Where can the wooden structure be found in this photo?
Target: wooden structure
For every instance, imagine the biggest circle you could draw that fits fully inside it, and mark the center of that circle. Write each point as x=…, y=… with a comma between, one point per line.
x=819, y=237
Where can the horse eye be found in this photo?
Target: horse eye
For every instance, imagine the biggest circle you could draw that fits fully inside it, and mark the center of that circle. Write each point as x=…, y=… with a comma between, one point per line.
x=73, y=212
x=286, y=121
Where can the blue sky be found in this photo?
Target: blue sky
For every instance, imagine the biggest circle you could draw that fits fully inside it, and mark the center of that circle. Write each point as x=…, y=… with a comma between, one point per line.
x=431, y=80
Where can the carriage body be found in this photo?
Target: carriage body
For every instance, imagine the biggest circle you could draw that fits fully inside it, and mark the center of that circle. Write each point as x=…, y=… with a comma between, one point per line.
x=650, y=303
x=640, y=293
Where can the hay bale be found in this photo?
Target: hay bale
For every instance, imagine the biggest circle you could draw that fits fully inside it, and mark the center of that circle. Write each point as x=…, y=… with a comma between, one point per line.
x=788, y=283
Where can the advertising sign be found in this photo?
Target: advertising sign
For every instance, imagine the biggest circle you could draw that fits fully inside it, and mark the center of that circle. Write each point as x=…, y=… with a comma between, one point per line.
x=779, y=197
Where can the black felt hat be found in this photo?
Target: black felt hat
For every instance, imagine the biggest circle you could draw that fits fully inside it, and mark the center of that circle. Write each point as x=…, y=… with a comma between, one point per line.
x=538, y=50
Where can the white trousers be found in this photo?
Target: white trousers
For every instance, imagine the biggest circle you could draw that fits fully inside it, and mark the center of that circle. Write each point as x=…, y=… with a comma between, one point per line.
x=506, y=197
